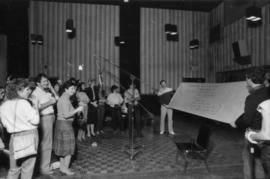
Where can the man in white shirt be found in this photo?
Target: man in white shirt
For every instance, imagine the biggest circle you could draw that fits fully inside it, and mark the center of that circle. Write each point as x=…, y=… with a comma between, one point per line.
x=115, y=100
x=45, y=96
x=165, y=95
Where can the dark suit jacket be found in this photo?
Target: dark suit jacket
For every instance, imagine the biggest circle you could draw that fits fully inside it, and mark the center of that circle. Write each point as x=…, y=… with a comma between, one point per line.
x=89, y=92
x=252, y=118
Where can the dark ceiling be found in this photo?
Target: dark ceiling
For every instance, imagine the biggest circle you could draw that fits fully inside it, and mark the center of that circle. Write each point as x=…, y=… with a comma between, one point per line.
x=193, y=5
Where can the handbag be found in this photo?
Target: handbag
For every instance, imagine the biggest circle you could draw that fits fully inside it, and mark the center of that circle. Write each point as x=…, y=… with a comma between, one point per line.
x=24, y=143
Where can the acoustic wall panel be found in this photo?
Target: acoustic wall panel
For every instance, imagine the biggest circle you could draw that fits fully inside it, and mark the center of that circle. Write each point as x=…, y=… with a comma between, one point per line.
x=93, y=44
x=169, y=60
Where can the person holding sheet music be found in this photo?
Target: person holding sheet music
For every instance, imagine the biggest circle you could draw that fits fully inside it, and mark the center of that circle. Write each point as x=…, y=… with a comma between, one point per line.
x=165, y=94
x=251, y=120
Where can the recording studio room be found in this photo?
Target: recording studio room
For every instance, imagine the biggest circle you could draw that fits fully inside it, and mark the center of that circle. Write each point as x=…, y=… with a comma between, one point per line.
x=133, y=89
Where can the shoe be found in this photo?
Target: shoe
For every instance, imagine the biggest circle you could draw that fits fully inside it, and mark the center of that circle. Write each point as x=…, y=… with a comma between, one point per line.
x=93, y=134
x=66, y=172
x=101, y=132
x=172, y=133
x=161, y=132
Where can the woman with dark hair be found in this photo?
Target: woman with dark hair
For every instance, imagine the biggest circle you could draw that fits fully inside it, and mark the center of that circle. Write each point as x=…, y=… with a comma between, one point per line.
x=91, y=92
x=115, y=101
x=64, y=138
x=20, y=118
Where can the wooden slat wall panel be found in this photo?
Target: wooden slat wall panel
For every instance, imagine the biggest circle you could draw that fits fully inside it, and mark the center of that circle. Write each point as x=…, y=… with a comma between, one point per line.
x=96, y=26
x=162, y=59
x=221, y=53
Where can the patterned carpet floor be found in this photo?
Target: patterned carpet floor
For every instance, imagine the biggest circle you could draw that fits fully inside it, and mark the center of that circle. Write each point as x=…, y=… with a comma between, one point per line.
x=157, y=157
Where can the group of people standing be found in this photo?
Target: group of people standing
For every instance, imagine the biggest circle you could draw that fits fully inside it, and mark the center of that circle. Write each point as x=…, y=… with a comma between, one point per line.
x=49, y=111
x=30, y=107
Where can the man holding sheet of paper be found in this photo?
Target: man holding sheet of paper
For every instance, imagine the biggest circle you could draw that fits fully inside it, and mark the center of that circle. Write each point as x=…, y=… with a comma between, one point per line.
x=256, y=128
x=226, y=102
x=165, y=94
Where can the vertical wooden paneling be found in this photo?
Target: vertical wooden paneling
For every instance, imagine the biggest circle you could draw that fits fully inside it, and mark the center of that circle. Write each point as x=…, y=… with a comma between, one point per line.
x=221, y=53
x=96, y=26
x=162, y=59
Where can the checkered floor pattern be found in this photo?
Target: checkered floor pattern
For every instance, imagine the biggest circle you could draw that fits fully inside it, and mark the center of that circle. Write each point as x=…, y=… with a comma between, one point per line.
x=157, y=154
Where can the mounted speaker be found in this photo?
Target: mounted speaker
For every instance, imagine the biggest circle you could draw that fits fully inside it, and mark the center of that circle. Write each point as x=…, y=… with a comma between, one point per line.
x=241, y=53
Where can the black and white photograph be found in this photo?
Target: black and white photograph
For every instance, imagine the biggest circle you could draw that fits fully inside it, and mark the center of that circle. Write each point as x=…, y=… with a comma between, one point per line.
x=134, y=89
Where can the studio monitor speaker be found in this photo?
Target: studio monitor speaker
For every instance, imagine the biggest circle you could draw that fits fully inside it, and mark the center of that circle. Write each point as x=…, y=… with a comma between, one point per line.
x=241, y=53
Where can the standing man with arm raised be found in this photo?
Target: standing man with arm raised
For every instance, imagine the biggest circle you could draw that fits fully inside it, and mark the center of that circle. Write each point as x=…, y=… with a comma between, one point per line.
x=46, y=97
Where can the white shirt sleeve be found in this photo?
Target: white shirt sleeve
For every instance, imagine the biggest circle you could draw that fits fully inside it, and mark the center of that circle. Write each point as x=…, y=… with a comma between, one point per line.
x=26, y=111
x=109, y=100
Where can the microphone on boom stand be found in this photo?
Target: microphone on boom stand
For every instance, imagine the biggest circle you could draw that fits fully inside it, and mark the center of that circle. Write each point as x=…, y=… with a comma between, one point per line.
x=132, y=149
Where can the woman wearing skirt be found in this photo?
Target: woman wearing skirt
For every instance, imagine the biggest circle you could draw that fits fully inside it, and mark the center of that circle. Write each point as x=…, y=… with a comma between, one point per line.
x=64, y=138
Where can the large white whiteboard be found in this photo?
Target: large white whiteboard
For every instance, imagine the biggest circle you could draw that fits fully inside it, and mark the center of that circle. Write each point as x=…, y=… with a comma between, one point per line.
x=223, y=102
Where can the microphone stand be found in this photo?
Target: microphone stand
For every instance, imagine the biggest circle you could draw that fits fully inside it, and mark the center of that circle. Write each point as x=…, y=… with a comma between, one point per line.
x=151, y=115
x=131, y=149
